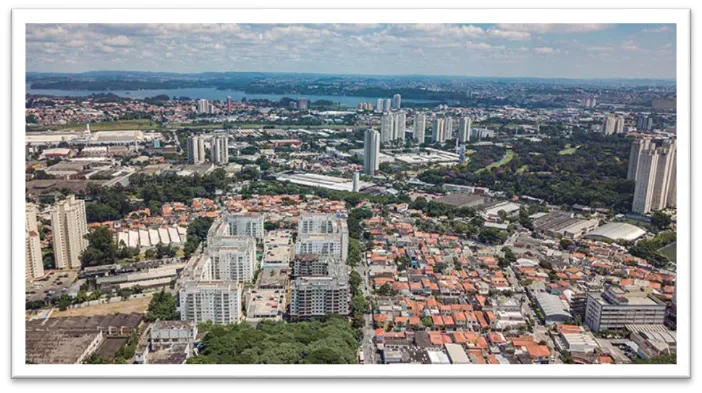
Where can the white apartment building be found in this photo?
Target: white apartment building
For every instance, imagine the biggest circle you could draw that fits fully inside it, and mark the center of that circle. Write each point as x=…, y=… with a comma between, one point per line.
x=246, y=225
x=420, y=125
x=464, y=130
x=69, y=225
x=233, y=258
x=655, y=176
x=439, y=131
x=34, y=264
x=217, y=301
x=321, y=295
x=371, y=153
x=396, y=101
x=220, y=149
x=196, y=150
x=322, y=234
x=168, y=333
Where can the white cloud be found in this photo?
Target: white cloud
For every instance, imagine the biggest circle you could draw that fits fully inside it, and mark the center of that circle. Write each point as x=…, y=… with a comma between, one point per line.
x=660, y=29
x=545, y=50
x=512, y=35
x=630, y=46
x=120, y=40
x=542, y=28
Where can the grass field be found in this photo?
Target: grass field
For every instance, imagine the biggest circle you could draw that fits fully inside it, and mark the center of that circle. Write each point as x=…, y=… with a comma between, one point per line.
x=522, y=168
x=670, y=251
x=505, y=160
x=137, y=305
x=568, y=150
x=103, y=126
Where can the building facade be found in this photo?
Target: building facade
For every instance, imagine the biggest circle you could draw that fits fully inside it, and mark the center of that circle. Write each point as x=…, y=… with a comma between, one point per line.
x=34, y=264
x=220, y=149
x=655, y=176
x=196, y=149
x=69, y=225
x=246, y=225
x=215, y=301
x=321, y=295
x=420, y=125
x=371, y=153
x=464, y=130
x=322, y=234
x=615, y=308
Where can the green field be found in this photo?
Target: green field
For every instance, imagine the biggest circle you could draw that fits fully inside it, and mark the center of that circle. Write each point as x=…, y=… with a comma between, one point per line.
x=522, y=168
x=509, y=155
x=568, y=150
x=670, y=251
x=102, y=126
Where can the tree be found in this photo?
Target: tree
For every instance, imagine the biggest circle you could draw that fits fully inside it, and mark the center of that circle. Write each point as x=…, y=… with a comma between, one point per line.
x=163, y=306
x=101, y=250
x=661, y=220
x=149, y=254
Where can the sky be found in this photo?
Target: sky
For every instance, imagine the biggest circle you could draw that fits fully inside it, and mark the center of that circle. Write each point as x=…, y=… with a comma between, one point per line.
x=497, y=50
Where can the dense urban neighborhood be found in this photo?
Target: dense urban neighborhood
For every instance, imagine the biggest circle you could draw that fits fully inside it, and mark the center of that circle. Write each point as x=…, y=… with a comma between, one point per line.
x=443, y=221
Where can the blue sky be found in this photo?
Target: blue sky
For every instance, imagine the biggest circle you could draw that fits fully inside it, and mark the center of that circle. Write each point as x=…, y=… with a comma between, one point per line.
x=514, y=50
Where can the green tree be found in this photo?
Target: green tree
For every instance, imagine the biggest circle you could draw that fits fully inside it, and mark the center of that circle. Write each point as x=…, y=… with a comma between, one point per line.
x=163, y=306
x=661, y=220
x=101, y=250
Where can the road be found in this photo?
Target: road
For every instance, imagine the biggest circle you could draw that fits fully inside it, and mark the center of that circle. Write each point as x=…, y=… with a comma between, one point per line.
x=367, y=346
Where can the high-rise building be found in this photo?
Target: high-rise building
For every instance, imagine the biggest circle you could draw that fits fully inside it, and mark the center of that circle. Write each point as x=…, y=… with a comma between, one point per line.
x=34, y=264
x=196, y=149
x=644, y=123
x=203, y=106
x=371, y=153
x=69, y=224
x=233, y=257
x=356, y=181
x=322, y=234
x=637, y=147
x=396, y=101
x=229, y=104
x=246, y=225
x=664, y=175
x=464, y=130
x=216, y=301
x=319, y=295
x=619, y=125
x=387, y=105
x=399, y=124
x=302, y=103
x=420, y=125
x=387, y=127
x=219, y=149
x=379, y=105
x=608, y=127
x=438, y=130
x=462, y=154
x=645, y=179
x=448, y=124
x=655, y=176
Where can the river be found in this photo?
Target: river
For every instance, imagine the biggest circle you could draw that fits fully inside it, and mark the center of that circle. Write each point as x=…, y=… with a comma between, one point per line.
x=210, y=94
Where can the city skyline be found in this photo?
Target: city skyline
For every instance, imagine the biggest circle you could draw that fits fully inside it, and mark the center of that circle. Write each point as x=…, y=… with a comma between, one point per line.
x=581, y=51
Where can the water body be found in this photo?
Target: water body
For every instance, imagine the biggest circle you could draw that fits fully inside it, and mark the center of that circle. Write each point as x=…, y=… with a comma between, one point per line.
x=210, y=94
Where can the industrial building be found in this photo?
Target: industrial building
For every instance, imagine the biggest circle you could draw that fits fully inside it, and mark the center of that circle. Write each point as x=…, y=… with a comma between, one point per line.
x=615, y=308
x=615, y=231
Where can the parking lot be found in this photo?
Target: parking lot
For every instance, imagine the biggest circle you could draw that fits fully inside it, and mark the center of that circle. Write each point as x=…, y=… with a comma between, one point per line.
x=54, y=284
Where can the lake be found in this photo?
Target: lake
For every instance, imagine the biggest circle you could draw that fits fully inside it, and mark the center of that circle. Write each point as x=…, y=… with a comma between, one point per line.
x=211, y=94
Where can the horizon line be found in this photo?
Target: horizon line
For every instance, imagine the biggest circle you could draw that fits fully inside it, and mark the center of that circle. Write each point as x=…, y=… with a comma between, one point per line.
x=363, y=75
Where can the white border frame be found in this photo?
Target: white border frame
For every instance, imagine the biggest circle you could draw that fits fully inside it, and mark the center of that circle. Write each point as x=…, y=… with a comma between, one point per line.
x=681, y=17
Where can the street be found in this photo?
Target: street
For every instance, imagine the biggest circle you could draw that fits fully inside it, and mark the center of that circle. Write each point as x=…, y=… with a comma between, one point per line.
x=367, y=346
